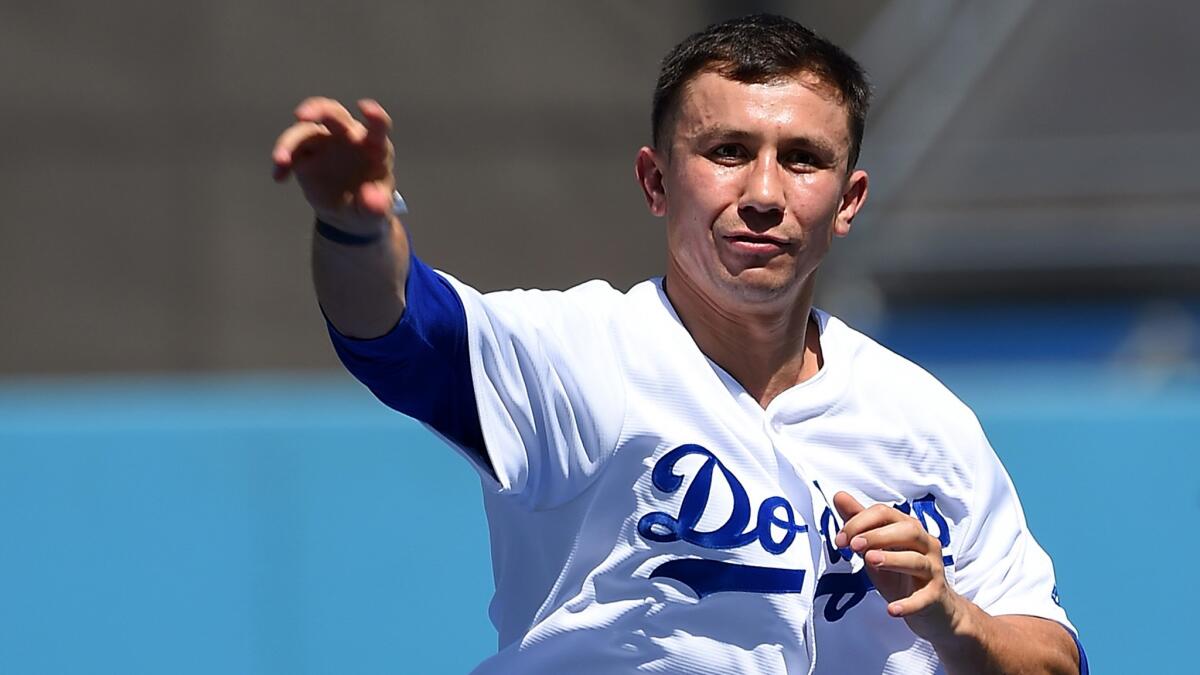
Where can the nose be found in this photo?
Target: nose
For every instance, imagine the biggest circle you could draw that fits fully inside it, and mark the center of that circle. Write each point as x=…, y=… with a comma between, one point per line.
x=763, y=192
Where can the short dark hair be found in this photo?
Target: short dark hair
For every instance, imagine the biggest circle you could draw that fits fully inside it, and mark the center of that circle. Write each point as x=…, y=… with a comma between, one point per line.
x=756, y=49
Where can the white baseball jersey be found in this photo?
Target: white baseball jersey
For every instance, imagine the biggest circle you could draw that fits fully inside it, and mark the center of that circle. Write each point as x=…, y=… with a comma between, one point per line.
x=647, y=515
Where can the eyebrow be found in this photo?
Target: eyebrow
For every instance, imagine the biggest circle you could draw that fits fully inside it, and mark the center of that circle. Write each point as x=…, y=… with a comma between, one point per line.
x=714, y=133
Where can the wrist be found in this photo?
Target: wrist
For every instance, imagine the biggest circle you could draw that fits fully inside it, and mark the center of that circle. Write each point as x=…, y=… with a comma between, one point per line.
x=358, y=231
x=346, y=237
x=965, y=633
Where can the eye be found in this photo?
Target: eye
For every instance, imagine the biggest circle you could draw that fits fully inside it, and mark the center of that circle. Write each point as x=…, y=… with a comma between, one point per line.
x=800, y=159
x=727, y=153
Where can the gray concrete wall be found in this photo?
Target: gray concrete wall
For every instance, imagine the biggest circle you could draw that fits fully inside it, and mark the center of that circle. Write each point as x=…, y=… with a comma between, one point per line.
x=142, y=231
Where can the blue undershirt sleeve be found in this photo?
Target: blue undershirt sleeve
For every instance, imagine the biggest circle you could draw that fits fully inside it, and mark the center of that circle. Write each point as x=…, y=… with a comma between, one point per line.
x=422, y=366
x=1083, y=662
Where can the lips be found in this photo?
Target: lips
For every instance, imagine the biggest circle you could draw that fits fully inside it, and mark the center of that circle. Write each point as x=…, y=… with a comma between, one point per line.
x=758, y=244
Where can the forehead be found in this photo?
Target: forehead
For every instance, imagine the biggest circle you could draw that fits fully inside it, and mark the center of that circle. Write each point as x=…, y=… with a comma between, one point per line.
x=800, y=105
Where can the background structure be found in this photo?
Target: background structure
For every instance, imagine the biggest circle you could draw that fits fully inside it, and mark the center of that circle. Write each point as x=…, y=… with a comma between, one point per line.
x=189, y=484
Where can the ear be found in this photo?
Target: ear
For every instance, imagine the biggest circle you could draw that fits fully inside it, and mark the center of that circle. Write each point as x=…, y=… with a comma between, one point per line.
x=648, y=168
x=853, y=199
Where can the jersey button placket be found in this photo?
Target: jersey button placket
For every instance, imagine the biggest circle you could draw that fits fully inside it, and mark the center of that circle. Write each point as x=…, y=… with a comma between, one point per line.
x=773, y=429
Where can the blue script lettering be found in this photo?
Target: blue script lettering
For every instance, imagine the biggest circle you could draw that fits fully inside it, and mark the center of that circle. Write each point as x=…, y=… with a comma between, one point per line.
x=661, y=527
x=847, y=589
x=710, y=576
x=925, y=510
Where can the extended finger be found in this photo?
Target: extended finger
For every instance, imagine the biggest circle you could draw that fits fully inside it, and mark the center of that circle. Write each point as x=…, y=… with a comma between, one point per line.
x=910, y=563
x=282, y=155
x=379, y=122
x=874, y=517
x=846, y=505
x=333, y=115
x=903, y=535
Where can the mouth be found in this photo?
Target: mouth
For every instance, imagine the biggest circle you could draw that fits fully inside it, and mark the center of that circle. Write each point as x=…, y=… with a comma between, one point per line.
x=756, y=244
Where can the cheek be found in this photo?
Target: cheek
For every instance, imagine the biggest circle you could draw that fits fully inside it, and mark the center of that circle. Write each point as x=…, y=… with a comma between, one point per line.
x=816, y=201
x=690, y=236
x=704, y=181
x=699, y=203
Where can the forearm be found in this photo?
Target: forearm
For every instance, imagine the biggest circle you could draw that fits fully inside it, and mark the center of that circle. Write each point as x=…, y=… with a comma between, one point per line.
x=361, y=286
x=982, y=643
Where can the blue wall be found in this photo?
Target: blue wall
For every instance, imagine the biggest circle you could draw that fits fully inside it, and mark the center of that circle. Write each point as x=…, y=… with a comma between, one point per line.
x=289, y=524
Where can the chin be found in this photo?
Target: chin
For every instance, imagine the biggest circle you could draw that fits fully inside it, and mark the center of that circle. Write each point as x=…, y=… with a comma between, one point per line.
x=759, y=286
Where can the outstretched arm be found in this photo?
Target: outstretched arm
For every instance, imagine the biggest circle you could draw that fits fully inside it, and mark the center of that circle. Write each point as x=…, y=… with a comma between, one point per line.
x=344, y=168
x=905, y=564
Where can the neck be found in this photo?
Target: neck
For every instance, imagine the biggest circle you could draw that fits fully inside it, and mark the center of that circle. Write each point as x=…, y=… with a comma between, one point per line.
x=767, y=349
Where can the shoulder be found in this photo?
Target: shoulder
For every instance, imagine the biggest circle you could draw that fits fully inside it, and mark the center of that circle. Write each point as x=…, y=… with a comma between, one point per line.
x=596, y=290
x=588, y=303
x=899, y=389
x=596, y=294
x=872, y=361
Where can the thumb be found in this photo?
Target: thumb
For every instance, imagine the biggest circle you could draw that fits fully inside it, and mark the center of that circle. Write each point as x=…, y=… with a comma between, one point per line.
x=847, y=506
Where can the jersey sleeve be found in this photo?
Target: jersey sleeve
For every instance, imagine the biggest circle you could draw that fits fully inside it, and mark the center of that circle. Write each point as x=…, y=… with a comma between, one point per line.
x=421, y=367
x=1000, y=566
x=548, y=386
x=524, y=384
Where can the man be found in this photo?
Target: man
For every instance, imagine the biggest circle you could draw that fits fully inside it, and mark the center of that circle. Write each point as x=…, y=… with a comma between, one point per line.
x=705, y=474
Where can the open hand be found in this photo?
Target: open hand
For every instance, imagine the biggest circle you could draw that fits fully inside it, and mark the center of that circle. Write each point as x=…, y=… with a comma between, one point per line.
x=343, y=166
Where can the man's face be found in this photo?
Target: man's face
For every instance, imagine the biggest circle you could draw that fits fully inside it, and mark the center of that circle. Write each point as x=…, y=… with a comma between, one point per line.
x=754, y=187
